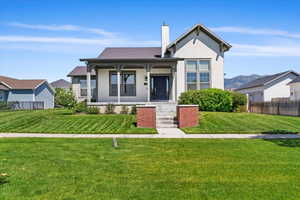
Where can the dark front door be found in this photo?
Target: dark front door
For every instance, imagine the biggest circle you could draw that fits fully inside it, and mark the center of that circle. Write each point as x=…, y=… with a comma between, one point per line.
x=159, y=87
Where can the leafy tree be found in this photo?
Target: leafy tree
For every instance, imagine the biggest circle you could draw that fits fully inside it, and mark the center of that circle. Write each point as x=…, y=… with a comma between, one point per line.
x=64, y=98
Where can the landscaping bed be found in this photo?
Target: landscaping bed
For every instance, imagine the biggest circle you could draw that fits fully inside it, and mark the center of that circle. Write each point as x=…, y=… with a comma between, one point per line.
x=64, y=121
x=222, y=122
x=149, y=169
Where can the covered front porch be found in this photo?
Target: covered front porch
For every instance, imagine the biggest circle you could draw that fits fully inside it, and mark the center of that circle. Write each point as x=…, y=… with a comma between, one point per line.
x=132, y=81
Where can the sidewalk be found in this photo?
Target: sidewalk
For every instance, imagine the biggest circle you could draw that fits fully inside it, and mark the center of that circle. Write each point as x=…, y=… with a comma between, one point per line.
x=163, y=134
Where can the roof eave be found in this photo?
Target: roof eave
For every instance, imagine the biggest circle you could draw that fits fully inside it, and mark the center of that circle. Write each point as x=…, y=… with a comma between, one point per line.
x=106, y=60
x=245, y=88
x=6, y=84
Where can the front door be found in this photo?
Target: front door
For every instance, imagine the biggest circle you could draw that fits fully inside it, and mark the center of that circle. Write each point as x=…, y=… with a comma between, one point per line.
x=159, y=87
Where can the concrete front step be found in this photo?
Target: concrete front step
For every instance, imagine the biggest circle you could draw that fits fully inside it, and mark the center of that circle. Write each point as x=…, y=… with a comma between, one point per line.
x=166, y=126
x=165, y=115
x=166, y=122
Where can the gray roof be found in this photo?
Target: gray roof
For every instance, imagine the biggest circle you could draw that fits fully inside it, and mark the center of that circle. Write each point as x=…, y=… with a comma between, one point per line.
x=61, y=83
x=264, y=80
x=296, y=80
x=130, y=53
x=80, y=71
x=203, y=28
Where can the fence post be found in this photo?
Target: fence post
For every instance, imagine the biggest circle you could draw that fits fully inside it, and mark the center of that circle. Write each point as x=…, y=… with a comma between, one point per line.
x=247, y=105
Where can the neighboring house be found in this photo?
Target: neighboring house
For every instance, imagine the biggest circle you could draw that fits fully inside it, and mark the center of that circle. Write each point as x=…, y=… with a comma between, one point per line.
x=61, y=83
x=269, y=87
x=12, y=90
x=79, y=84
x=144, y=74
x=295, y=89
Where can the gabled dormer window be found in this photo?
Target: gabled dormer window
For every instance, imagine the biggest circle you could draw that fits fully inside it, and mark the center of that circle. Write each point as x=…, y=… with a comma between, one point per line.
x=197, y=74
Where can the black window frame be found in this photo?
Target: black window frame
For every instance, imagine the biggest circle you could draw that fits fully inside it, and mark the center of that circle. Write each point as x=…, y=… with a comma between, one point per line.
x=113, y=88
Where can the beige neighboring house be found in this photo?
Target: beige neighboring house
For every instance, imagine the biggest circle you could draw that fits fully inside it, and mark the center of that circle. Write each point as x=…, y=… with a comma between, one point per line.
x=295, y=89
x=79, y=84
x=268, y=88
x=131, y=75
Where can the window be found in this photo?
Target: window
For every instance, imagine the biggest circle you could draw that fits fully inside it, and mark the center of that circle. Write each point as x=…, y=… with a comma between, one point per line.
x=197, y=74
x=127, y=86
x=83, y=87
x=2, y=96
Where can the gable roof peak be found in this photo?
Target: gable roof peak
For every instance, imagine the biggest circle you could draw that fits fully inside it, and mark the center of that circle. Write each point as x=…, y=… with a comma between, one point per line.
x=201, y=27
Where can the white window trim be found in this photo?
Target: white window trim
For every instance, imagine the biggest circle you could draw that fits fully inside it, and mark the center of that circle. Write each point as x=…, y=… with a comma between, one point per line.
x=198, y=72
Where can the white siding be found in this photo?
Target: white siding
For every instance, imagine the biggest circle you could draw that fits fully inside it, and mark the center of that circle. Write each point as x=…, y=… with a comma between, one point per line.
x=295, y=91
x=279, y=88
x=201, y=47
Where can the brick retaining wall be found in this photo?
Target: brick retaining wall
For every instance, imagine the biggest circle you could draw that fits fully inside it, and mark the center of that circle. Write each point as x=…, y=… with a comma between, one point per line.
x=146, y=116
x=187, y=115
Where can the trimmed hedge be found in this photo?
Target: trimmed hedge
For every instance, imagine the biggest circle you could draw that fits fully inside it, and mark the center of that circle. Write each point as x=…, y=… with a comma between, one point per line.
x=208, y=99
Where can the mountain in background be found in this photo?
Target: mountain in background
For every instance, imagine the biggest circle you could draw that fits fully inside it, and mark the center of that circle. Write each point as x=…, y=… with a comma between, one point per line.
x=236, y=82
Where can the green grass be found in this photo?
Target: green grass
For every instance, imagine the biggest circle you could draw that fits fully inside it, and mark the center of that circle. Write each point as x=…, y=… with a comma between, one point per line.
x=63, y=121
x=218, y=122
x=89, y=169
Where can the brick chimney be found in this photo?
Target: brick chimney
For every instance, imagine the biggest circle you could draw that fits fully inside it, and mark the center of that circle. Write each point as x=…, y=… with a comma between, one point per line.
x=165, y=38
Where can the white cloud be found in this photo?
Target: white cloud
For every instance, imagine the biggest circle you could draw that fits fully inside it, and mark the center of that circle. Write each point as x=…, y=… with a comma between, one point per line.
x=73, y=40
x=265, y=50
x=63, y=28
x=255, y=31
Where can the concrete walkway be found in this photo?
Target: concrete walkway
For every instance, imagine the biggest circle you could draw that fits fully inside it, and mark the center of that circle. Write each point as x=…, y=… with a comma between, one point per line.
x=163, y=133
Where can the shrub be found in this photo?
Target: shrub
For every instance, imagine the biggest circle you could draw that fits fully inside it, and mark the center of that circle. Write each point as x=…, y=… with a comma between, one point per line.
x=133, y=110
x=92, y=110
x=208, y=99
x=5, y=106
x=124, y=110
x=80, y=107
x=238, y=100
x=64, y=98
x=110, y=109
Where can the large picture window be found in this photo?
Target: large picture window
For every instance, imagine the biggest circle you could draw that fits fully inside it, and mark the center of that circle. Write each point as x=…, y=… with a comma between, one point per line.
x=197, y=74
x=128, y=84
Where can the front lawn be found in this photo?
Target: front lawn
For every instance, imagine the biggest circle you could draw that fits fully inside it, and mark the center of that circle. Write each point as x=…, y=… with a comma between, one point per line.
x=89, y=169
x=63, y=121
x=219, y=122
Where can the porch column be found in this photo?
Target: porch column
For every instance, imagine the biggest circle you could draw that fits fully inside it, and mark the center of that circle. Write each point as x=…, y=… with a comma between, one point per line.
x=88, y=83
x=174, y=84
x=119, y=83
x=148, y=69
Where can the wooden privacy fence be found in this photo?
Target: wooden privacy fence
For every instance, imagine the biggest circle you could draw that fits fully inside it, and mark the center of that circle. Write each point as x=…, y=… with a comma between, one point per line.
x=291, y=108
x=26, y=105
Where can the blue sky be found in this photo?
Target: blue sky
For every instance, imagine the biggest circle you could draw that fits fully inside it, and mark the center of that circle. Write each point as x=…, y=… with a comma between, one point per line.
x=45, y=39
